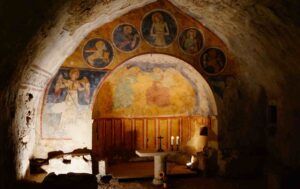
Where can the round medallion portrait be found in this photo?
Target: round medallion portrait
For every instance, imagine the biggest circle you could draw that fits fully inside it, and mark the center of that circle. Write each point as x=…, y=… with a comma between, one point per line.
x=191, y=41
x=126, y=37
x=159, y=28
x=213, y=61
x=98, y=53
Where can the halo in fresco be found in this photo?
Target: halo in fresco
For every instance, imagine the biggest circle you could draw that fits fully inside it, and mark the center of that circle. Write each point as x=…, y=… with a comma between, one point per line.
x=213, y=61
x=159, y=28
x=191, y=41
x=67, y=102
x=126, y=37
x=98, y=53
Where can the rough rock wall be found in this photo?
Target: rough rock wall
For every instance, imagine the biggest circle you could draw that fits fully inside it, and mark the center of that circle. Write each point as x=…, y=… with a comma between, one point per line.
x=263, y=35
x=51, y=40
x=20, y=22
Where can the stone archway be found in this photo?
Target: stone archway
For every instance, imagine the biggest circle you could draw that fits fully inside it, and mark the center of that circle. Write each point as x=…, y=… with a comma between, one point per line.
x=65, y=33
x=41, y=71
x=148, y=96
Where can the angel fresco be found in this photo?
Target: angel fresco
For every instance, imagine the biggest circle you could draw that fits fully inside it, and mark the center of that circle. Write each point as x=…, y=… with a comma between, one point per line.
x=67, y=104
x=73, y=86
x=98, y=53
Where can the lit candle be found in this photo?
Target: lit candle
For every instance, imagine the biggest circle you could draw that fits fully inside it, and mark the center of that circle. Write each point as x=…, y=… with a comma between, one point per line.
x=177, y=140
x=172, y=140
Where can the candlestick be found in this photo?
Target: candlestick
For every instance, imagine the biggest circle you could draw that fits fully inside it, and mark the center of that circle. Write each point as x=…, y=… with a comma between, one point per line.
x=160, y=149
x=172, y=140
x=177, y=140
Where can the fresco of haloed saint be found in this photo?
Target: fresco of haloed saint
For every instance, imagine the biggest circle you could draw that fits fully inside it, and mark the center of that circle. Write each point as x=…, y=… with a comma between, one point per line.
x=98, y=53
x=159, y=28
x=213, y=61
x=126, y=37
x=191, y=41
x=67, y=101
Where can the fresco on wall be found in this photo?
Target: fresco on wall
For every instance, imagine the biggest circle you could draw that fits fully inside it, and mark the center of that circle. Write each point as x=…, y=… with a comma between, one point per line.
x=213, y=61
x=100, y=50
x=191, y=41
x=98, y=53
x=68, y=100
x=159, y=28
x=126, y=37
x=147, y=90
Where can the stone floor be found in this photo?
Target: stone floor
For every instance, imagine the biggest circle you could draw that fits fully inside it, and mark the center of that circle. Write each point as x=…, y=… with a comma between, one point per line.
x=139, y=176
x=182, y=182
x=144, y=170
x=129, y=170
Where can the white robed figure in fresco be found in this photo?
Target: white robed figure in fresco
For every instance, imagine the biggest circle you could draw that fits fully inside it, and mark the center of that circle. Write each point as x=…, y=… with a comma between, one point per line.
x=70, y=109
x=73, y=85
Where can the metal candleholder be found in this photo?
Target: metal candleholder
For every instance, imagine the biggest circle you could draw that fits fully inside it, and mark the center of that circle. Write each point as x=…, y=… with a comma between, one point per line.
x=160, y=148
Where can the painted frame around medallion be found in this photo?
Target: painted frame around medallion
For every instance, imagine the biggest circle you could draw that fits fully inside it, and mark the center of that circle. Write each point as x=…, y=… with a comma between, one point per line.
x=191, y=44
x=154, y=34
x=126, y=43
x=218, y=62
x=98, y=53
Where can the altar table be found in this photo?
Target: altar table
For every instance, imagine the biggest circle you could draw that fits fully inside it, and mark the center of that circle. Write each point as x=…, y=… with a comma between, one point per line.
x=160, y=163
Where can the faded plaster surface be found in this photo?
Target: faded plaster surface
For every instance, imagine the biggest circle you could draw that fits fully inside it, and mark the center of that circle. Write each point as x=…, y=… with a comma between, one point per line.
x=154, y=85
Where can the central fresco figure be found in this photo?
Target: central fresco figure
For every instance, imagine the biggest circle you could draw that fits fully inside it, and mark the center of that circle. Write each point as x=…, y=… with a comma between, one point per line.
x=159, y=28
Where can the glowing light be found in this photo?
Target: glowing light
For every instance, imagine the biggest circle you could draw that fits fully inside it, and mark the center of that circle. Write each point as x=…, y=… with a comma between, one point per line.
x=77, y=165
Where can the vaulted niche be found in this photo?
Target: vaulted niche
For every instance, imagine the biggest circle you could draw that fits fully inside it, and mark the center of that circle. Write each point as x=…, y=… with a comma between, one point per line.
x=149, y=96
x=123, y=78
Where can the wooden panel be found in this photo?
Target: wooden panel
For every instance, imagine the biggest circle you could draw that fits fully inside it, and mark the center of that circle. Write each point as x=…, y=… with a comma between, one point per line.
x=116, y=137
x=185, y=131
x=100, y=145
x=150, y=134
x=193, y=125
x=118, y=133
x=163, y=131
x=95, y=135
x=128, y=134
x=139, y=134
x=108, y=133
